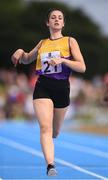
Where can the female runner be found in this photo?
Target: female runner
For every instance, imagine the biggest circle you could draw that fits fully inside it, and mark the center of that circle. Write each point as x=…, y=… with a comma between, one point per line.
x=55, y=57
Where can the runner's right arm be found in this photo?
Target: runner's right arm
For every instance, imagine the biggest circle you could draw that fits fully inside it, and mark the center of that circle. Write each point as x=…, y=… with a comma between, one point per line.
x=20, y=56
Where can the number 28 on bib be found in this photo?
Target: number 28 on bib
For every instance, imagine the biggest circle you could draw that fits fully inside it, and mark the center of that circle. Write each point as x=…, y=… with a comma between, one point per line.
x=46, y=67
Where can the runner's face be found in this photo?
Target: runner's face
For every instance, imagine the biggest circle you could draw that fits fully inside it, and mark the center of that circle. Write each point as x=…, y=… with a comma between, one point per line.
x=56, y=20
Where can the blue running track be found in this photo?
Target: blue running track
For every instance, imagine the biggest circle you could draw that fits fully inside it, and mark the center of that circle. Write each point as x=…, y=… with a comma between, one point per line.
x=77, y=155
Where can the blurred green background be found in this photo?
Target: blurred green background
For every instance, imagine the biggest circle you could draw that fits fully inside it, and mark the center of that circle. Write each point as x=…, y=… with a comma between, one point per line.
x=23, y=26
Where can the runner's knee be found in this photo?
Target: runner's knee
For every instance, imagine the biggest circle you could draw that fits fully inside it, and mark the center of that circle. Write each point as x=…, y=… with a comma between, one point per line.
x=46, y=129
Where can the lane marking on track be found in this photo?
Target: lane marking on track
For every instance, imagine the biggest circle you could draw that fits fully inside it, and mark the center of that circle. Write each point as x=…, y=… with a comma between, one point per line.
x=81, y=148
x=69, y=145
x=33, y=151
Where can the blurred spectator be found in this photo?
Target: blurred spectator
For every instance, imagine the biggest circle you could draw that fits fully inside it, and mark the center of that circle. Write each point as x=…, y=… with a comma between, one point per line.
x=15, y=95
x=28, y=107
x=2, y=114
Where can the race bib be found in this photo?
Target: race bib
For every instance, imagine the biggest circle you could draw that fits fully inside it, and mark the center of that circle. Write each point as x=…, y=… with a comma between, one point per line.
x=46, y=67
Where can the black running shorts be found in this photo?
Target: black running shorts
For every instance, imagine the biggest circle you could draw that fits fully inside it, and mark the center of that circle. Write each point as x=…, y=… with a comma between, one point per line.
x=56, y=90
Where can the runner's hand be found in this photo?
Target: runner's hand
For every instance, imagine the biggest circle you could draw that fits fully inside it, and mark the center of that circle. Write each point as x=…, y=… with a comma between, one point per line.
x=56, y=61
x=16, y=57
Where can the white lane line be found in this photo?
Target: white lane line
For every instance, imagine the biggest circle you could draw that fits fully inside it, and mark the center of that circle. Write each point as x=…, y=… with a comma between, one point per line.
x=32, y=151
x=69, y=145
x=81, y=148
